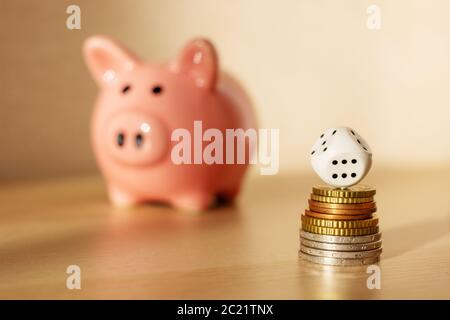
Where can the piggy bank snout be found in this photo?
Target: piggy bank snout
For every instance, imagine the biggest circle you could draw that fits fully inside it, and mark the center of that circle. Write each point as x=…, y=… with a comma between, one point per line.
x=136, y=139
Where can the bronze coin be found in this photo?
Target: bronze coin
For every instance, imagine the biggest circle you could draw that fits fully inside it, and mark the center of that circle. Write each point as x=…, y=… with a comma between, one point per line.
x=337, y=216
x=342, y=206
x=342, y=211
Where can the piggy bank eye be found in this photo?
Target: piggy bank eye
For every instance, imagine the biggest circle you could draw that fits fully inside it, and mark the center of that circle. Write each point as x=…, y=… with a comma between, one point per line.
x=157, y=90
x=126, y=89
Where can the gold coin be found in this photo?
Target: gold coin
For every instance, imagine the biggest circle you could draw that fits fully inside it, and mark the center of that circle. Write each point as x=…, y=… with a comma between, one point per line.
x=340, y=239
x=339, y=261
x=337, y=216
x=341, y=254
x=339, y=246
x=315, y=197
x=349, y=224
x=343, y=211
x=338, y=231
x=359, y=191
x=342, y=206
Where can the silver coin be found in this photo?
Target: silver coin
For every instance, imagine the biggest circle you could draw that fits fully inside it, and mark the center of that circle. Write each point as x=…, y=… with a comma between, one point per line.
x=338, y=261
x=341, y=254
x=340, y=246
x=340, y=239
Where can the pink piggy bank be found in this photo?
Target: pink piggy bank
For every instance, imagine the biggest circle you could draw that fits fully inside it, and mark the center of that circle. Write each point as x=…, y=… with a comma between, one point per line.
x=141, y=107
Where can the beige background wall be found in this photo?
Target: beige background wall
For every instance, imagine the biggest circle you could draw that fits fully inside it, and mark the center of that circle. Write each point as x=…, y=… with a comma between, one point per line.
x=308, y=64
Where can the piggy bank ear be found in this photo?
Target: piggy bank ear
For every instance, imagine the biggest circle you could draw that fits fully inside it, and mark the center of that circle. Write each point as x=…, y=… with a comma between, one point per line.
x=199, y=60
x=107, y=60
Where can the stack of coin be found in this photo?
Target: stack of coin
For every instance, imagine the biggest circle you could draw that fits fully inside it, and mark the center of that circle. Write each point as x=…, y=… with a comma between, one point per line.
x=340, y=227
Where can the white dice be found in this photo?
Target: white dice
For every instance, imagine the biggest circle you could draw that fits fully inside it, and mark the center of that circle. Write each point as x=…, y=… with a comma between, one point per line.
x=341, y=157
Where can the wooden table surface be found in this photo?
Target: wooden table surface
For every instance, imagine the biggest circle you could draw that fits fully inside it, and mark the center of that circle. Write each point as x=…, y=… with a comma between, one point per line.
x=245, y=251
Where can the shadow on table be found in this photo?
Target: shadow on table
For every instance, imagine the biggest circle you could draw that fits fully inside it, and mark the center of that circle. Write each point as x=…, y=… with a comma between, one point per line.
x=398, y=241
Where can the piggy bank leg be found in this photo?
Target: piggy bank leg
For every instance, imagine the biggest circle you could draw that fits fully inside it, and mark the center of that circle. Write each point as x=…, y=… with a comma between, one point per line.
x=230, y=194
x=121, y=199
x=193, y=202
